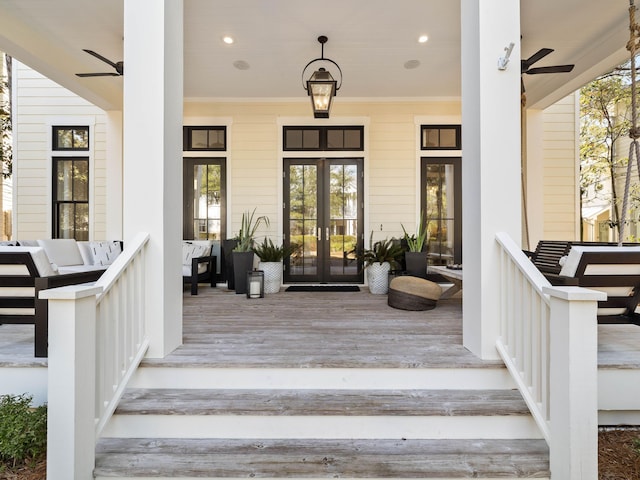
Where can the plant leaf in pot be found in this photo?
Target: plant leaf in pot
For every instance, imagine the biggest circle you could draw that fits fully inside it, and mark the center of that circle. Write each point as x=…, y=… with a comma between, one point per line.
x=378, y=260
x=243, y=252
x=416, y=258
x=271, y=257
x=248, y=229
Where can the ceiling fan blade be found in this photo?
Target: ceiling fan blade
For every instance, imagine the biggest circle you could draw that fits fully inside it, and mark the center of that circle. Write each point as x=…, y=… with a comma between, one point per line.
x=98, y=74
x=552, y=69
x=539, y=55
x=100, y=57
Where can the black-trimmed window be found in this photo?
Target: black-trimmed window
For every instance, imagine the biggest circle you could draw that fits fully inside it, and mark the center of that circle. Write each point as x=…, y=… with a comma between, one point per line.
x=440, y=137
x=333, y=138
x=204, y=191
x=68, y=138
x=71, y=197
x=204, y=138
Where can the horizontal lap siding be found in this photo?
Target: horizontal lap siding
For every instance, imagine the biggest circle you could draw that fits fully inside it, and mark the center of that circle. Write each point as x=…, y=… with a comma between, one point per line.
x=560, y=143
x=39, y=103
x=391, y=160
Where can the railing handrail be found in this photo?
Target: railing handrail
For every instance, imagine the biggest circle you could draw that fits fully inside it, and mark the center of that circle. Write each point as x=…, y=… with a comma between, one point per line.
x=117, y=268
x=522, y=262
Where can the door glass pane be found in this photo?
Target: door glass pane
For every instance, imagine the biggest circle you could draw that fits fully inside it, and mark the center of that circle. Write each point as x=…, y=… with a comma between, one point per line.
x=343, y=221
x=303, y=219
x=64, y=180
x=81, y=221
x=81, y=180
x=440, y=197
x=207, y=201
x=65, y=220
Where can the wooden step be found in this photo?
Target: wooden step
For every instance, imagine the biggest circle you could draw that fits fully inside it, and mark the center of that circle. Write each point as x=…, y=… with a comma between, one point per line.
x=169, y=401
x=225, y=458
x=313, y=413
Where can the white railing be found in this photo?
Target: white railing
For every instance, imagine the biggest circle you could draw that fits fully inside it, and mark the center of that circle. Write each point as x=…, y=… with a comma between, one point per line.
x=548, y=341
x=96, y=341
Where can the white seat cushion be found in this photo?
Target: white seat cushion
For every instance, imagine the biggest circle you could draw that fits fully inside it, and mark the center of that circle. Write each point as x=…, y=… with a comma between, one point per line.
x=573, y=259
x=40, y=259
x=186, y=269
x=62, y=251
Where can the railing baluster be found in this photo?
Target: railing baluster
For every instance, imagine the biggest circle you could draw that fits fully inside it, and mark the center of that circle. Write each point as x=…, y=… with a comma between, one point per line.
x=528, y=304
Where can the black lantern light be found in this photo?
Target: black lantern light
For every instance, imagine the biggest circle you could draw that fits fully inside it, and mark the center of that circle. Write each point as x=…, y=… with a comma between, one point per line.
x=321, y=86
x=255, y=284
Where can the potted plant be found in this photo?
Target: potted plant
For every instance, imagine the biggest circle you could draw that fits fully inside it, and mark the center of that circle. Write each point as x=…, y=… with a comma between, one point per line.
x=243, y=252
x=415, y=257
x=271, y=257
x=378, y=260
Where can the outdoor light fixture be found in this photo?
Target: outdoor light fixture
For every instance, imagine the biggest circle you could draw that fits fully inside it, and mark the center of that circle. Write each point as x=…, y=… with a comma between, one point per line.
x=255, y=284
x=321, y=86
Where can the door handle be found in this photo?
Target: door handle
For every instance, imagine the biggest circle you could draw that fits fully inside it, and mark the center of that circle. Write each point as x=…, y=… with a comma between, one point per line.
x=326, y=237
x=319, y=234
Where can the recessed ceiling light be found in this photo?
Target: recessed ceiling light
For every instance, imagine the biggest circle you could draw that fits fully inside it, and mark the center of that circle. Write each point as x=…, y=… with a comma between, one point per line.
x=423, y=39
x=228, y=39
x=241, y=65
x=411, y=64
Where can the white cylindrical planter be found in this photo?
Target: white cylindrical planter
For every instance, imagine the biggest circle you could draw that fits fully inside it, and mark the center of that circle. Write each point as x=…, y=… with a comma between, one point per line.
x=378, y=277
x=272, y=276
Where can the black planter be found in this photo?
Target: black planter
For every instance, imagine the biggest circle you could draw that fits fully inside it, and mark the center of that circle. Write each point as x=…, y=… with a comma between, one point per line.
x=242, y=263
x=227, y=262
x=416, y=264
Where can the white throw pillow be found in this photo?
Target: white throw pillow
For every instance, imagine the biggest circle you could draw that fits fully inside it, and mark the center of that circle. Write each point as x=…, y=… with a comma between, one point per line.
x=193, y=250
x=104, y=253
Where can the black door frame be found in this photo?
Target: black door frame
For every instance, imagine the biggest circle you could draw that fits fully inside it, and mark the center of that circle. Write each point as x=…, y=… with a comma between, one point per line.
x=187, y=186
x=457, y=198
x=323, y=269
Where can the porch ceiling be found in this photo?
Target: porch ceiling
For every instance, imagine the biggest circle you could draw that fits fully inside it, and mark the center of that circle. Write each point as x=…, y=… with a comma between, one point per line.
x=370, y=39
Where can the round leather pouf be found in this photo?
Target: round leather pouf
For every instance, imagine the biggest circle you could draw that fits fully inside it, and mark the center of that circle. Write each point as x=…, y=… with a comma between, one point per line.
x=413, y=293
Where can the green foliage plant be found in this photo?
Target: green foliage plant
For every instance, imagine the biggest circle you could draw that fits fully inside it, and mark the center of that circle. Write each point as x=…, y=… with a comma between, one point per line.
x=270, y=252
x=386, y=250
x=416, y=242
x=248, y=228
x=23, y=430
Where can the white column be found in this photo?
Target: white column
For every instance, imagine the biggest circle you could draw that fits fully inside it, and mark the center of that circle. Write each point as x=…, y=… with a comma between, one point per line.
x=114, y=175
x=490, y=160
x=153, y=98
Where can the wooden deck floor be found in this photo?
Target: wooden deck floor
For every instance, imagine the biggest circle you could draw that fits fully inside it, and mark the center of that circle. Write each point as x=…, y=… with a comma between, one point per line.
x=322, y=329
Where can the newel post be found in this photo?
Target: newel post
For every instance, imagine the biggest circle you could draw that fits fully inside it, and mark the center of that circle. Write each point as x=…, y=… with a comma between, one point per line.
x=573, y=392
x=72, y=383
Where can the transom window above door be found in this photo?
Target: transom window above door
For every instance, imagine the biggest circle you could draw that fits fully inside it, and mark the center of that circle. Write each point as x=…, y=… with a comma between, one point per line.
x=329, y=138
x=205, y=138
x=440, y=137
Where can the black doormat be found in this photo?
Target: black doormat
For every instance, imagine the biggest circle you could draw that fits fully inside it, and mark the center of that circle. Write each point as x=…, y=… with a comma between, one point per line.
x=323, y=288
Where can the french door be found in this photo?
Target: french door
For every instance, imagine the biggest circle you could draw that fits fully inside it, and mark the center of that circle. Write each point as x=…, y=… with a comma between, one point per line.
x=323, y=219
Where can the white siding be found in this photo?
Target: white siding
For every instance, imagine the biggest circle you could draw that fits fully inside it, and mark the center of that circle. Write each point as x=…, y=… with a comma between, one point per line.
x=39, y=104
x=561, y=170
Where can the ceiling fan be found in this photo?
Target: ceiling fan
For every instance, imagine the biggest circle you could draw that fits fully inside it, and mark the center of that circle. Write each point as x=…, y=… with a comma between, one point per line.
x=118, y=66
x=525, y=65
